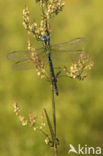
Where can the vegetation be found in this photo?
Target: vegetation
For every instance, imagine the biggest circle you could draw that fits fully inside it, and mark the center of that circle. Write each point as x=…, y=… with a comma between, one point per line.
x=77, y=102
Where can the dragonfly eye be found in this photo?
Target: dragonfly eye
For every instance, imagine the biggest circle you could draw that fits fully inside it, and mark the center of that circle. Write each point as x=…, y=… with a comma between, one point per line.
x=42, y=39
x=45, y=38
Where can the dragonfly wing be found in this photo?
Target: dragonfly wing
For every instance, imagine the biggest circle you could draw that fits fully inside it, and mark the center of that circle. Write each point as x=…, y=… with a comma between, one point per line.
x=25, y=64
x=69, y=46
x=26, y=60
x=20, y=55
x=63, y=58
x=59, y=52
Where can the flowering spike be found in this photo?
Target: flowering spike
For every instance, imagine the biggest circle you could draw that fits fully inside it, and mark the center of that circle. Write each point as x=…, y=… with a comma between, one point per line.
x=79, y=67
x=17, y=109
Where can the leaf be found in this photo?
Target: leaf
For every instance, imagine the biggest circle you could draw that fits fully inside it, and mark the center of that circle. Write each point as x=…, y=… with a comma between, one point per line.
x=49, y=124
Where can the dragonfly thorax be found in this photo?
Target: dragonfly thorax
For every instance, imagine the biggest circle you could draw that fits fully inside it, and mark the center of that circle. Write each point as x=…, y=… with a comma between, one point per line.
x=46, y=43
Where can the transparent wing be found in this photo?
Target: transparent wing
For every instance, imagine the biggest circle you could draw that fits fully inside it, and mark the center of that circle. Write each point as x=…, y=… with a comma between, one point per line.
x=30, y=63
x=24, y=59
x=59, y=52
x=21, y=55
x=64, y=57
x=25, y=64
x=69, y=46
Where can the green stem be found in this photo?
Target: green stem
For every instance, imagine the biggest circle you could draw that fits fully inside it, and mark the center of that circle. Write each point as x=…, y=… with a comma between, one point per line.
x=54, y=114
x=55, y=151
x=54, y=121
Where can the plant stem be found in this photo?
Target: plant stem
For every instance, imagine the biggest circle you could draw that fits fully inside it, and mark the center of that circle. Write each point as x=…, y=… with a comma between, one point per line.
x=55, y=151
x=54, y=120
x=54, y=114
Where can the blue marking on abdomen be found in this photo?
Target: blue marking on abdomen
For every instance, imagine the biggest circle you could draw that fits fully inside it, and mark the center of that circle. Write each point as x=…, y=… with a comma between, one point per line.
x=50, y=61
x=52, y=74
x=55, y=87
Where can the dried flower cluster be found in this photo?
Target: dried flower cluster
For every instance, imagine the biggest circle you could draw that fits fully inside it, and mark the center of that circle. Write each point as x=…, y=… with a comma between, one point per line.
x=30, y=27
x=17, y=110
x=32, y=119
x=33, y=122
x=49, y=9
x=80, y=67
x=39, y=62
x=54, y=7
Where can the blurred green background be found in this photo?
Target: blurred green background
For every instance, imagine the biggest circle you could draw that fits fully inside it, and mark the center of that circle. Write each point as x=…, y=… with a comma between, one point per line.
x=79, y=107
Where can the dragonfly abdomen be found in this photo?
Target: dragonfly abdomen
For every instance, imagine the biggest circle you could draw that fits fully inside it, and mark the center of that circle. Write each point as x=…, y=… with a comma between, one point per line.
x=52, y=74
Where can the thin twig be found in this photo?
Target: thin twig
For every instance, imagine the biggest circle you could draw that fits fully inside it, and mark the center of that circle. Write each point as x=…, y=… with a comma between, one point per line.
x=53, y=107
x=54, y=120
x=55, y=151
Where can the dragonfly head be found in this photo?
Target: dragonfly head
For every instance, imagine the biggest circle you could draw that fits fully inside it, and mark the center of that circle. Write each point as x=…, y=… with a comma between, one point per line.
x=45, y=38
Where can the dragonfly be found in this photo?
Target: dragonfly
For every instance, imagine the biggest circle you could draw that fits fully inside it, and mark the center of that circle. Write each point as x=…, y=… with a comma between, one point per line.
x=22, y=58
